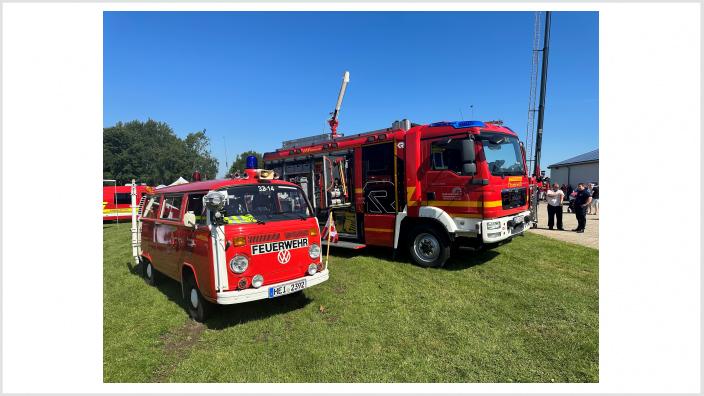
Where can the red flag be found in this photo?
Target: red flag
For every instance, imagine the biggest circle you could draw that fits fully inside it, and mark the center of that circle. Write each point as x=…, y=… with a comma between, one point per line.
x=330, y=228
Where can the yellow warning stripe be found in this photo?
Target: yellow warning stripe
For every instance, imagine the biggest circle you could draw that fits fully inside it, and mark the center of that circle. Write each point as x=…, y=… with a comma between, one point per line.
x=117, y=210
x=378, y=229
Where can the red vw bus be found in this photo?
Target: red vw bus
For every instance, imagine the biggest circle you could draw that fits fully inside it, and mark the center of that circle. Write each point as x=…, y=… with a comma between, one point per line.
x=230, y=241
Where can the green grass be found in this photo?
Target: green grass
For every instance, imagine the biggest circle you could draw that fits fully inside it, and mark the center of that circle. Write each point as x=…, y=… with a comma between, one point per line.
x=526, y=311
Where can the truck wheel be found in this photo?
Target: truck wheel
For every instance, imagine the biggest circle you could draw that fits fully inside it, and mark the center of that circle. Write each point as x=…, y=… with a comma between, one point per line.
x=198, y=307
x=428, y=247
x=151, y=275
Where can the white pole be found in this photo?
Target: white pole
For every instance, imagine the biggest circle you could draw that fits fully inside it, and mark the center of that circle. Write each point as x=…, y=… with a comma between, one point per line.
x=135, y=241
x=327, y=254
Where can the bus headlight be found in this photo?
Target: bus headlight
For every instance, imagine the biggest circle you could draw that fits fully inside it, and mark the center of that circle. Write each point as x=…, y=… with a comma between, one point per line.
x=257, y=281
x=493, y=225
x=312, y=269
x=239, y=264
x=314, y=251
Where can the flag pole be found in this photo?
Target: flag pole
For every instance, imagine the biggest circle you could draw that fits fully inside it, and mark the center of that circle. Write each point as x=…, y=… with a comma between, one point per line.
x=327, y=254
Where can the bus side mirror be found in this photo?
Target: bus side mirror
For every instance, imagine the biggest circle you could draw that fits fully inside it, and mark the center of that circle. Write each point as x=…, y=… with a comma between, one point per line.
x=189, y=220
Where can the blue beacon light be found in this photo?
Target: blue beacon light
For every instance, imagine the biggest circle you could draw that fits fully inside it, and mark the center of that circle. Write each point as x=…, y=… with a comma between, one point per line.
x=251, y=162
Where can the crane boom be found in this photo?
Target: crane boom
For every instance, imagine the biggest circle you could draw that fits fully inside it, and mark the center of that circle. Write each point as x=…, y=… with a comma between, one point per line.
x=333, y=119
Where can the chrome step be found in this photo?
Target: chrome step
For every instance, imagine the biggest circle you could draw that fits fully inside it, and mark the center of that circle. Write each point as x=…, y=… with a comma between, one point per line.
x=345, y=244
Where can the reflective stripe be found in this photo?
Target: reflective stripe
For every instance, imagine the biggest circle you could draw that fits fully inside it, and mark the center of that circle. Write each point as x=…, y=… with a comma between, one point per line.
x=240, y=219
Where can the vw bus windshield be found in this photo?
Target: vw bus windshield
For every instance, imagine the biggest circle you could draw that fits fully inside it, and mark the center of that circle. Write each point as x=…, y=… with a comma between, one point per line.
x=503, y=154
x=265, y=202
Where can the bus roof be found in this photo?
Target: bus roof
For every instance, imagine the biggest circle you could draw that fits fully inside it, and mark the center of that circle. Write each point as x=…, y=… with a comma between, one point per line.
x=216, y=184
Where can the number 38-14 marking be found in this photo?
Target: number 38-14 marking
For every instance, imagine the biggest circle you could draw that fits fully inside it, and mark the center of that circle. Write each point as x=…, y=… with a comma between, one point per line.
x=266, y=188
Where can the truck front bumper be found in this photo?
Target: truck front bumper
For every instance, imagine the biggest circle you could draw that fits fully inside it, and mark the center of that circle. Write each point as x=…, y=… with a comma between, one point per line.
x=508, y=227
x=240, y=296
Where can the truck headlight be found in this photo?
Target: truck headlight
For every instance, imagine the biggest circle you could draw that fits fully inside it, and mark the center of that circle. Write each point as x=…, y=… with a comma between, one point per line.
x=239, y=264
x=314, y=251
x=493, y=225
x=257, y=281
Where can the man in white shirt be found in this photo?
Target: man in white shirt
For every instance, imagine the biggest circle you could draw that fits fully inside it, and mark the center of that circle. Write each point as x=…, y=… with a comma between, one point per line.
x=555, y=197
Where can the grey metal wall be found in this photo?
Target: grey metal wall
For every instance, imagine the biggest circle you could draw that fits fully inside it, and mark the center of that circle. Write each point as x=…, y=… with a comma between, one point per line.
x=573, y=174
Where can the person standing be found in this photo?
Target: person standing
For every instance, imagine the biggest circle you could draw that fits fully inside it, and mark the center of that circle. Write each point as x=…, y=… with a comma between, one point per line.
x=595, y=201
x=555, y=197
x=581, y=201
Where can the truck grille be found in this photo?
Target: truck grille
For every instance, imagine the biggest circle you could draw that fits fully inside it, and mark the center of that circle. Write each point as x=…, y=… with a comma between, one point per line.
x=513, y=198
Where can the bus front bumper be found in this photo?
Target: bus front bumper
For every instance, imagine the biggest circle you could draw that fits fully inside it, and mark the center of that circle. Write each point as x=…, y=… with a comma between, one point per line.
x=240, y=296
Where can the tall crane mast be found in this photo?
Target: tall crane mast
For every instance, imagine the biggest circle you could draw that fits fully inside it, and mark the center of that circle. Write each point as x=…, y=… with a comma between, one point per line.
x=541, y=109
x=543, y=86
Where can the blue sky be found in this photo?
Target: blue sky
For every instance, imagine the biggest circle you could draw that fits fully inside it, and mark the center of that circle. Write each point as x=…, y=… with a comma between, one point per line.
x=256, y=79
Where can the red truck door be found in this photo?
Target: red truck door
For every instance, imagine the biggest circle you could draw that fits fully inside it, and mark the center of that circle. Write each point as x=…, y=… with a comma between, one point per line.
x=379, y=192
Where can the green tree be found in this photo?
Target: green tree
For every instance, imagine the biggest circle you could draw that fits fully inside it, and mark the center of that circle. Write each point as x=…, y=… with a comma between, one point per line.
x=240, y=161
x=150, y=152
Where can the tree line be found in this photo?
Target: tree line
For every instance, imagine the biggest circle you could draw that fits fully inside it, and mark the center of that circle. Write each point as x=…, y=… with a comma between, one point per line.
x=150, y=152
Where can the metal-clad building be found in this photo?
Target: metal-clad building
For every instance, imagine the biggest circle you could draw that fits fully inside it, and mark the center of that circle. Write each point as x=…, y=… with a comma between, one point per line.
x=580, y=169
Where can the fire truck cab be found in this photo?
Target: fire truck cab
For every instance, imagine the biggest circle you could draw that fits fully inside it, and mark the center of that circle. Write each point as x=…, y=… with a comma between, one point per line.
x=230, y=241
x=421, y=188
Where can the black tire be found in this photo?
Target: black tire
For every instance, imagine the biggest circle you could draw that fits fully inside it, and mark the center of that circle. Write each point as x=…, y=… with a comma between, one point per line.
x=150, y=274
x=198, y=307
x=428, y=247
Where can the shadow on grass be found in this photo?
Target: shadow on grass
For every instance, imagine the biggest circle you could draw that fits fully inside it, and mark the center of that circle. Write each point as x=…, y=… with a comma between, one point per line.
x=468, y=258
x=460, y=259
x=224, y=316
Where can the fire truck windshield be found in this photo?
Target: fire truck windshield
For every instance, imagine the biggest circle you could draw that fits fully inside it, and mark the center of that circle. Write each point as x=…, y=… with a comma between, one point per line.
x=503, y=154
x=267, y=202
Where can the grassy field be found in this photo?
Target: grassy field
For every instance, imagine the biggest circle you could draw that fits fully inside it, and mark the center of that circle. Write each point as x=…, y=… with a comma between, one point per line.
x=523, y=312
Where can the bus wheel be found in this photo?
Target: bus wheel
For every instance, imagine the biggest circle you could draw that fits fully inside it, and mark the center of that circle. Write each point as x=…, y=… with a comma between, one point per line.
x=428, y=247
x=198, y=307
x=151, y=275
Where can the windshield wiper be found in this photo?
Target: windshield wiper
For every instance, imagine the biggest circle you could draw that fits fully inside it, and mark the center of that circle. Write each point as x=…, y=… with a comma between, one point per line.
x=281, y=212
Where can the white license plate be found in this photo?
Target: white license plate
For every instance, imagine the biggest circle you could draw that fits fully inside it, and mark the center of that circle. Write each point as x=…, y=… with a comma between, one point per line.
x=287, y=288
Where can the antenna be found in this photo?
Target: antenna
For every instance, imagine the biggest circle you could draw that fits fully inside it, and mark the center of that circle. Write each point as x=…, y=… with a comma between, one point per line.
x=333, y=119
x=227, y=168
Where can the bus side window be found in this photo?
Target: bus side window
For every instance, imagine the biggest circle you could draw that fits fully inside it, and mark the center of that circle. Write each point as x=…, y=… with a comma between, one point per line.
x=171, y=209
x=151, y=206
x=195, y=205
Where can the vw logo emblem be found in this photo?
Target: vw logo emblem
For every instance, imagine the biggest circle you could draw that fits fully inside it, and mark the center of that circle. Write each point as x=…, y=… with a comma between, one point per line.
x=284, y=256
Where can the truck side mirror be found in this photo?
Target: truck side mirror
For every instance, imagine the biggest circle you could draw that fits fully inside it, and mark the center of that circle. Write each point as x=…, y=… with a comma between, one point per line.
x=468, y=150
x=189, y=220
x=469, y=168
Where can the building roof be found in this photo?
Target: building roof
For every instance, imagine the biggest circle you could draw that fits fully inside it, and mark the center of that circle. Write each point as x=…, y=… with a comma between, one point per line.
x=592, y=156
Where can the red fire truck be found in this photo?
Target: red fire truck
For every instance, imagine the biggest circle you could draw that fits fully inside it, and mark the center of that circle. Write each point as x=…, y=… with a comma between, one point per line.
x=116, y=201
x=229, y=241
x=423, y=188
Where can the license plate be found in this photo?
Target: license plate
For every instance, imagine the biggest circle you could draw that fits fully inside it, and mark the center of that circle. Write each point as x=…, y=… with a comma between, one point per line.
x=288, y=288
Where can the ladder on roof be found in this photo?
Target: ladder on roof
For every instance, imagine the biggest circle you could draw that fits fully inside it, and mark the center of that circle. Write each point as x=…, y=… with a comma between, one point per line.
x=140, y=208
x=532, y=96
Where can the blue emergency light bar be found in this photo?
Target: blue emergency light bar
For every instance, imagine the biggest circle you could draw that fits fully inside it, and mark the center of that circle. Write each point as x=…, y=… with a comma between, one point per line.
x=459, y=124
x=251, y=162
